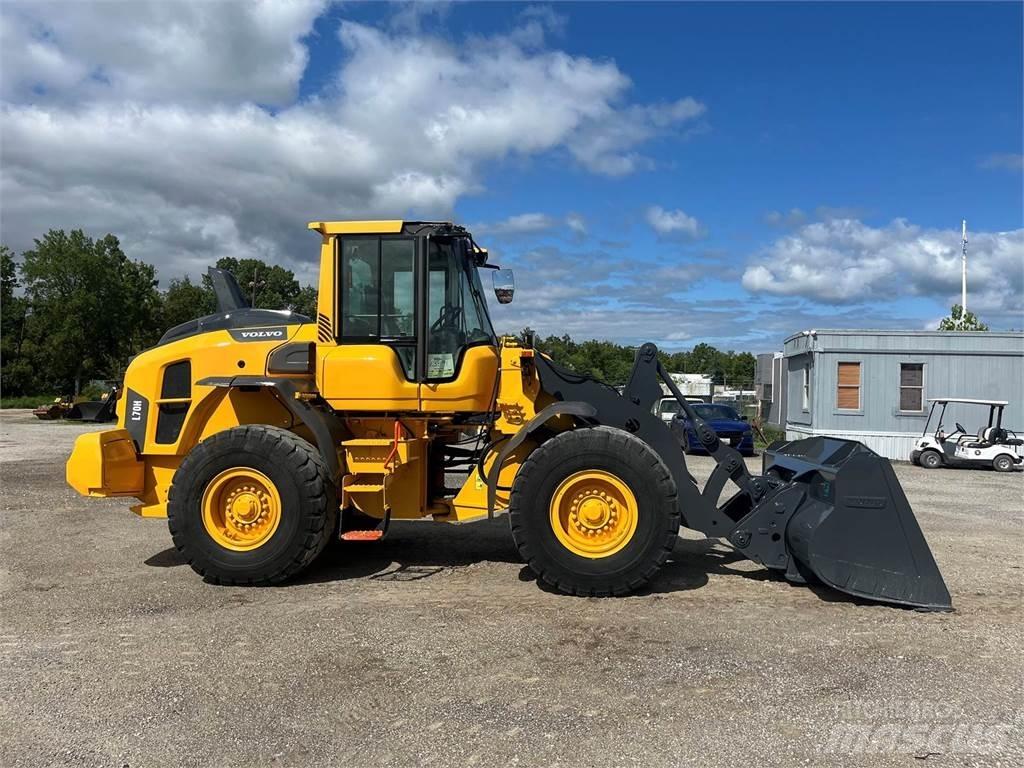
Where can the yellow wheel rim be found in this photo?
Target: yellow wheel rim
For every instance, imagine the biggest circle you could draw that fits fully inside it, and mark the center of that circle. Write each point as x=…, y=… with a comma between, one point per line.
x=241, y=509
x=593, y=513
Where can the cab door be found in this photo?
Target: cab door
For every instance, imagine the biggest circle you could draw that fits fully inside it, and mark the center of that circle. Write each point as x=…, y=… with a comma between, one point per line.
x=461, y=356
x=373, y=366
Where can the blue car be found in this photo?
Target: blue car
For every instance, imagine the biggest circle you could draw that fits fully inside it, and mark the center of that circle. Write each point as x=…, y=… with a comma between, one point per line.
x=723, y=419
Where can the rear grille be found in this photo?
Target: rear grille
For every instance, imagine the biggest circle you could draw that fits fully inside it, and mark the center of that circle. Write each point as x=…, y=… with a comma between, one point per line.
x=174, y=402
x=177, y=381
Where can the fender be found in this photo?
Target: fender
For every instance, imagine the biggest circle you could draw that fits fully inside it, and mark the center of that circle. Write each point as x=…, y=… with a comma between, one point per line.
x=581, y=410
x=326, y=427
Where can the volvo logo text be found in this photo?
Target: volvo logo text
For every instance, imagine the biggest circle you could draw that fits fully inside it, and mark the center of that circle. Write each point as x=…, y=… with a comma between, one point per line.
x=259, y=334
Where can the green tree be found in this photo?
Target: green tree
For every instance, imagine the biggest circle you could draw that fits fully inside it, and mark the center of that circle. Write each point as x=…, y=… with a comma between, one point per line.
x=305, y=302
x=8, y=274
x=184, y=301
x=16, y=372
x=959, y=320
x=740, y=367
x=90, y=308
x=613, y=363
x=704, y=358
x=273, y=287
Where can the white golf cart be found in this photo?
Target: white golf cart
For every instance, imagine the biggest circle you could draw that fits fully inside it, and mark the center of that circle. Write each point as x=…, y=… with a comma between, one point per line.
x=992, y=445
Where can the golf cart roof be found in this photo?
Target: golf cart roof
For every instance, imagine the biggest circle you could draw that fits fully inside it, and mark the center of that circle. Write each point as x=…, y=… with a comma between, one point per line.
x=966, y=400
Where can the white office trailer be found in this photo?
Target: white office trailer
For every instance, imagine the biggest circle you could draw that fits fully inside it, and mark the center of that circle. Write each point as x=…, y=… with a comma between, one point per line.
x=874, y=386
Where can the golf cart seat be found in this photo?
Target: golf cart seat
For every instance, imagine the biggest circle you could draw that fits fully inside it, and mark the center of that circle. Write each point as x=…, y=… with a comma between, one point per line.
x=980, y=441
x=988, y=436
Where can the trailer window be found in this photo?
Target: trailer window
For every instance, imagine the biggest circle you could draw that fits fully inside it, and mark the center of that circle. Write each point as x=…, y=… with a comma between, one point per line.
x=848, y=391
x=805, y=388
x=912, y=387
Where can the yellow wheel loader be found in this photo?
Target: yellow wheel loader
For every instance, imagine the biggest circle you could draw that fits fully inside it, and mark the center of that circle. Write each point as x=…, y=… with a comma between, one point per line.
x=263, y=435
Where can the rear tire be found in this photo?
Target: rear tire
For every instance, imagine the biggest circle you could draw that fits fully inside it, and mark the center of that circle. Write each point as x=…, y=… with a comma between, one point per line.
x=304, y=505
x=1002, y=463
x=930, y=459
x=615, y=460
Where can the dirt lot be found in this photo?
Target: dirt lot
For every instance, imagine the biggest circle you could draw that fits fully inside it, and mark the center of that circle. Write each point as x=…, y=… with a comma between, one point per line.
x=436, y=647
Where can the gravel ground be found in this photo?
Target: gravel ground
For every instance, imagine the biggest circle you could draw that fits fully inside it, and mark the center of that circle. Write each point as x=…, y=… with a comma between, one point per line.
x=436, y=647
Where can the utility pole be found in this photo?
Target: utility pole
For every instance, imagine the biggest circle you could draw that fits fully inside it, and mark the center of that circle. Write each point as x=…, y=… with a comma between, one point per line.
x=256, y=283
x=963, y=268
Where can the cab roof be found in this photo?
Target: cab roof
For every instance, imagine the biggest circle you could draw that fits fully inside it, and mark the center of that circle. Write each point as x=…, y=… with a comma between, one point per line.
x=383, y=227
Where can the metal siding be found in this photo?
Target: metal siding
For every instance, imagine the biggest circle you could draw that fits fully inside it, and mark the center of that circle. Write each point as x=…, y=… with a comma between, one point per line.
x=783, y=401
x=977, y=365
x=794, y=390
x=780, y=384
x=892, y=446
x=951, y=375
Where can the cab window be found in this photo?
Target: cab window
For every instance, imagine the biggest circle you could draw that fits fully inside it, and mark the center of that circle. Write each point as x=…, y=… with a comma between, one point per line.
x=377, y=296
x=457, y=315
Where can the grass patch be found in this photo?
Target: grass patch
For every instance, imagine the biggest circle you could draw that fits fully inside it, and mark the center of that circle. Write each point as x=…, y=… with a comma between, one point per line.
x=27, y=401
x=771, y=434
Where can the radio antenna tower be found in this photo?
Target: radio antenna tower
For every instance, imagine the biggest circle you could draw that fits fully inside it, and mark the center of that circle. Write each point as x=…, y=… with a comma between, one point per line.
x=963, y=268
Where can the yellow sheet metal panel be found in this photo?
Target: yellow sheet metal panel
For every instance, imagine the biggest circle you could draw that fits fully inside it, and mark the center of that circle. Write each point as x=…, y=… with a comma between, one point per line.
x=381, y=227
x=379, y=455
x=105, y=464
x=150, y=510
x=470, y=503
x=471, y=391
x=364, y=377
x=215, y=353
x=159, y=474
x=326, y=295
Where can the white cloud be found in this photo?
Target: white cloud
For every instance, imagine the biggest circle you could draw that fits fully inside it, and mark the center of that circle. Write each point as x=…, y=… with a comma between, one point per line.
x=576, y=224
x=845, y=260
x=537, y=22
x=606, y=146
x=154, y=125
x=673, y=224
x=791, y=218
x=520, y=224
x=1007, y=161
x=535, y=223
x=185, y=51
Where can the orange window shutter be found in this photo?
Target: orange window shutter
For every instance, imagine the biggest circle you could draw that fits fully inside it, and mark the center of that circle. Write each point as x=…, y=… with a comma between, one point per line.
x=848, y=393
x=849, y=398
x=849, y=374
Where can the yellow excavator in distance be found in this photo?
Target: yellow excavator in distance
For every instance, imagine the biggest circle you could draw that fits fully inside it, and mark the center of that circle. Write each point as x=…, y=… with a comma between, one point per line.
x=262, y=435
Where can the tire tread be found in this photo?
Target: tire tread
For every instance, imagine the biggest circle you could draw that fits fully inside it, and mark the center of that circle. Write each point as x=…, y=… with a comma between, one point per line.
x=321, y=509
x=618, y=441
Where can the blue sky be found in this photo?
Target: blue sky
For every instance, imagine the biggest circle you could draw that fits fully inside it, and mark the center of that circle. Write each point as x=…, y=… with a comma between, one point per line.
x=675, y=172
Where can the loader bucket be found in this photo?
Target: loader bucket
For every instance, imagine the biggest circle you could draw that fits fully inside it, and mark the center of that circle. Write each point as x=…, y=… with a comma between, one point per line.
x=853, y=528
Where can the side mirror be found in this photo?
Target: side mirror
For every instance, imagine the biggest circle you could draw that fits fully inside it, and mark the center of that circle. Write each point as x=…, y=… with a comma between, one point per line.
x=504, y=281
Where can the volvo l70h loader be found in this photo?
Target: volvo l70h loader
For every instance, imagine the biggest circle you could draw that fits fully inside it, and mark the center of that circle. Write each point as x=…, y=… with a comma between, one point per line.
x=262, y=435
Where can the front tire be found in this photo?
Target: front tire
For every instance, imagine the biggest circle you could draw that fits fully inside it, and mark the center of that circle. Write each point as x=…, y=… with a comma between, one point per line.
x=594, y=512
x=930, y=459
x=251, y=505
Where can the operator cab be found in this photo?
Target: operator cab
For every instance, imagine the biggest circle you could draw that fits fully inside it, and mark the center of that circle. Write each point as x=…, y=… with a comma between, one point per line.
x=408, y=295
